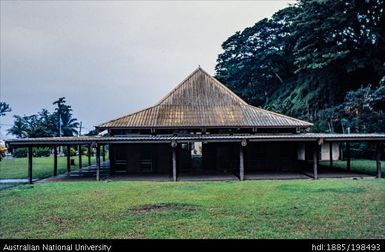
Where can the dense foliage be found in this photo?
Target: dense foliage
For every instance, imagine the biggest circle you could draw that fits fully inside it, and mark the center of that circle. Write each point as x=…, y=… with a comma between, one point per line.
x=36, y=152
x=46, y=124
x=319, y=60
x=72, y=152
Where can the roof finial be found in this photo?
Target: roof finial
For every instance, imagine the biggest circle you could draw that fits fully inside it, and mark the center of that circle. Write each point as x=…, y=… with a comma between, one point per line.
x=199, y=66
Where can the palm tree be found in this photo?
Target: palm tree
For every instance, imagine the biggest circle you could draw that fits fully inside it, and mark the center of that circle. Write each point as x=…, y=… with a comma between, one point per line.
x=20, y=127
x=46, y=123
x=67, y=125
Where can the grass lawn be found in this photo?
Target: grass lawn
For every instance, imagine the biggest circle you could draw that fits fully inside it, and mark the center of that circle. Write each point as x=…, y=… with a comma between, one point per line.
x=357, y=165
x=326, y=208
x=42, y=166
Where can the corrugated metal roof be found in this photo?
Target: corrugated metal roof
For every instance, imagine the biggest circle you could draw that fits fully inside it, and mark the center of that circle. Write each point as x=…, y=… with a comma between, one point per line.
x=202, y=101
x=197, y=138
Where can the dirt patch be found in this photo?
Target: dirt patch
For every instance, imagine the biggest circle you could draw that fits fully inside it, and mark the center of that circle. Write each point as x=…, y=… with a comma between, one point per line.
x=162, y=207
x=61, y=225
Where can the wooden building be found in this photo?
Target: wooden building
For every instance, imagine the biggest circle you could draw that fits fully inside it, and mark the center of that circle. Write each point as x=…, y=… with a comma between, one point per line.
x=202, y=127
x=201, y=105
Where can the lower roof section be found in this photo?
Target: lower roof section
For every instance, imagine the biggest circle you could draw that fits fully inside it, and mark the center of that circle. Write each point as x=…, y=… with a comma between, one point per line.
x=300, y=137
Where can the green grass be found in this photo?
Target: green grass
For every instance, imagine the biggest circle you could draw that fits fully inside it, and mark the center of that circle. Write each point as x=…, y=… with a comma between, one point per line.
x=42, y=166
x=327, y=208
x=358, y=165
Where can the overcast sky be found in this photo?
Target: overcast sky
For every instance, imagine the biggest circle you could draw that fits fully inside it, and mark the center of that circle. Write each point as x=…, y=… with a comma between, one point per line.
x=110, y=58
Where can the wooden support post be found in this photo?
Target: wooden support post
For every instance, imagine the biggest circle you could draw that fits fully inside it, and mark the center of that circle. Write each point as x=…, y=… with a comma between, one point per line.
x=331, y=154
x=68, y=159
x=110, y=158
x=55, y=160
x=315, y=161
x=104, y=153
x=242, y=160
x=80, y=156
x=89, y=155
x=97, y=162
x=378, y=159
x=30, y=164
x=241, y=164
x=347, y=156
x=174, y=177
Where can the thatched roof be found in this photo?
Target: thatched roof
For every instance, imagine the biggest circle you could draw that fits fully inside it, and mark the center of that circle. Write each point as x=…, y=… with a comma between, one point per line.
x=202, y=101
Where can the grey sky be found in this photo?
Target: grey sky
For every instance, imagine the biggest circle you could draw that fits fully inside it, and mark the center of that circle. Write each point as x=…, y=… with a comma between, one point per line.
x=110, y=58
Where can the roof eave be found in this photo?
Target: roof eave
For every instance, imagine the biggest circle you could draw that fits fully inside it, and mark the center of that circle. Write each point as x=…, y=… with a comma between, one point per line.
x=205, y=126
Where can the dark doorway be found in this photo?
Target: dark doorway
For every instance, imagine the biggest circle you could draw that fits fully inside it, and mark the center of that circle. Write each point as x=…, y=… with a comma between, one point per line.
x=196, y=156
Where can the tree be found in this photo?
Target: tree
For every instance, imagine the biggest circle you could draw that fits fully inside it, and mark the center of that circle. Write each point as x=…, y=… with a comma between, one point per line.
x=305, y=58
x=19, y=128
x=257, y=61
x=4, y=108
x=362, y=110
x=46, y=124
x=59, y=102
x=67, y=125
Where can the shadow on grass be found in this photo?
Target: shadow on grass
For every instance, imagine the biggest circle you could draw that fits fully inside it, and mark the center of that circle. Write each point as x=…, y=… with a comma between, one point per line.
x=301, y=189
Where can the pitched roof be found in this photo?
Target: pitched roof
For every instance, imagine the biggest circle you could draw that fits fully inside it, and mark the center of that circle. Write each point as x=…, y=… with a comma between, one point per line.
x=202, y=101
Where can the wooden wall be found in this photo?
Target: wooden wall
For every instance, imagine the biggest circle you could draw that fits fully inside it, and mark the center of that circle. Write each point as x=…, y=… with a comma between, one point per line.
x=134, y=158
x=223, y=157
x=274, y=156
x=218, y=157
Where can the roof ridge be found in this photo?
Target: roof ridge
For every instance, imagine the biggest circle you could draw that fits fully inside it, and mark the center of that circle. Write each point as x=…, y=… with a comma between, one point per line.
x=221, y=85
x=228, y=90
x=176, y=88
